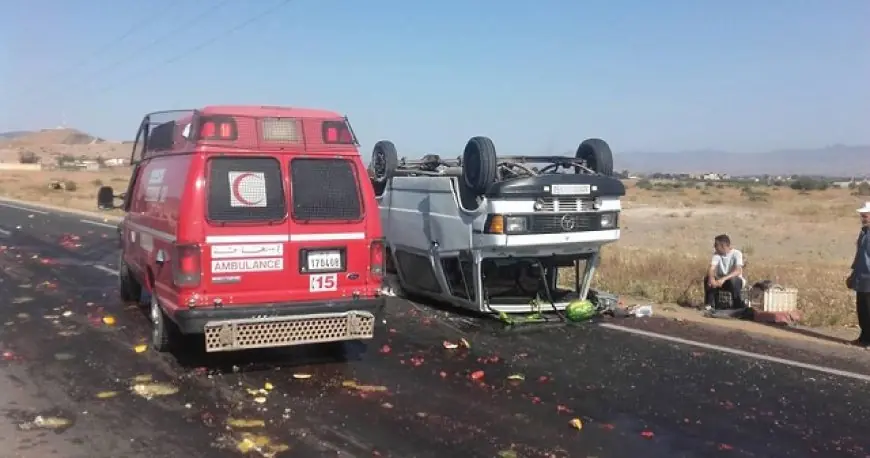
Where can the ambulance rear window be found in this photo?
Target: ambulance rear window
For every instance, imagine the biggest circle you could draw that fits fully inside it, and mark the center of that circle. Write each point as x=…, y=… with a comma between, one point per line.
x=242, y=189
x=324, y=189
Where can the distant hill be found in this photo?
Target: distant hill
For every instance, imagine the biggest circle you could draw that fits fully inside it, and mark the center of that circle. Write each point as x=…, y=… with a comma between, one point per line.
x=13, y=134
x=50, y=143
x=47, y=137
x=835, y=160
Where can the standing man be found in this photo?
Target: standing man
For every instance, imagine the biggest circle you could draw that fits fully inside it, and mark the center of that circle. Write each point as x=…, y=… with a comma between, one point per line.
x=859, y=279
x=725, y=272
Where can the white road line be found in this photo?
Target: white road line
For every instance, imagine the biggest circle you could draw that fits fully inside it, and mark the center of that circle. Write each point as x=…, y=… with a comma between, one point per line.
x=5, y=232
x=31, y=210
x=107, y=270
x=747, y=354
x=97, y=223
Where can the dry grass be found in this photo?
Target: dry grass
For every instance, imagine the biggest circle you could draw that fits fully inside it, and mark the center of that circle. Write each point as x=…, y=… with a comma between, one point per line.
x=34, y=186
x=802, y=240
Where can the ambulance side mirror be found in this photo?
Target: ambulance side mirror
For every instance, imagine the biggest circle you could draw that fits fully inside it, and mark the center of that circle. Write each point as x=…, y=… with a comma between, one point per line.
x=106, y=198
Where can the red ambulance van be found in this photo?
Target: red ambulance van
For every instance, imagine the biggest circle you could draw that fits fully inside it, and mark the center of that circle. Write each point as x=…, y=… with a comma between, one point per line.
x=255, y=226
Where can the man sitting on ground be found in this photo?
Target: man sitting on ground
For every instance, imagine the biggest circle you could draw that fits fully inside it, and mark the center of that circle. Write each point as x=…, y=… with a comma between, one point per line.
x=725, y=273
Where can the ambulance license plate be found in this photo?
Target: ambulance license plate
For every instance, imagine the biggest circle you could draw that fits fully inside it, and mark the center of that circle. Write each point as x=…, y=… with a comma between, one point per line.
x=322, y=261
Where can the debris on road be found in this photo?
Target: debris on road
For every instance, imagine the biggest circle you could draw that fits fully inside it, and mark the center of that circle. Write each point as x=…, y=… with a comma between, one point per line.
x=365, y=388
x=149, y=390
x=106, y=394
x=41, y=422
x=260, y=444
x=576, y=423
x=245, y=423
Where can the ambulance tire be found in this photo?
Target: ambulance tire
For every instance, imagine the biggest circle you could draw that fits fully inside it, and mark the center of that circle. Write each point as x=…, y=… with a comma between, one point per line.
x=164, y=333
x=129, y=288
x=349, y=350
x=597, y=155
x=479, y=164
x=387, y=157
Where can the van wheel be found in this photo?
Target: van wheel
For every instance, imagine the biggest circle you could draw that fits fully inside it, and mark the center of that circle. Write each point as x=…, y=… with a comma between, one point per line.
x=130, y=289
x=479, y=165
x=597, y=155
x=385, y=160
x=163, y=332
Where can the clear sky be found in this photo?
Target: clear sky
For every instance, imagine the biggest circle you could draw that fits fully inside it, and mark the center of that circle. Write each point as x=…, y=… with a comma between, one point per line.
x=537, y=77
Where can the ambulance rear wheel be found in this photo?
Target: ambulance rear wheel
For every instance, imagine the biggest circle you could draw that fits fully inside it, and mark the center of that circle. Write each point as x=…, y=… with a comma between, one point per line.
x=597, y=155
x=479, y=164
x=348, y=350
x=130, y=289
x=385, y=161
x=163, y=331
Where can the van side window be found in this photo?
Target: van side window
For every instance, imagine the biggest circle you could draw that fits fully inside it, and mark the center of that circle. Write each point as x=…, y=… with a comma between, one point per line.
x=242, y=189
x=325, y=189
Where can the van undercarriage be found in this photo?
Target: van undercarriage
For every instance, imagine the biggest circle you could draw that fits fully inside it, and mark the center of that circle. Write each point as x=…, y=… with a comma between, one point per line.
x=498, y=284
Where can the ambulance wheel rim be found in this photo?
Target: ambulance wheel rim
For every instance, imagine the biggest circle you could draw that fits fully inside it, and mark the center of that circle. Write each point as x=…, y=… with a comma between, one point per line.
x=156, y=319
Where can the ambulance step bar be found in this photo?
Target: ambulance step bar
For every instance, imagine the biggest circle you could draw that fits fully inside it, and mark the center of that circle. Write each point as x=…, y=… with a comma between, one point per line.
x=284, y=331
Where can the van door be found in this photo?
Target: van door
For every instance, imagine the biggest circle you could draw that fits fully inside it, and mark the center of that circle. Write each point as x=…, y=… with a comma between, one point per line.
x=246, y=261
x=327, y=228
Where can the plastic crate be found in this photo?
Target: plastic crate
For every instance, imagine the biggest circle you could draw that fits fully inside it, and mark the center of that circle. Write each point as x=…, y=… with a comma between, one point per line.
x=778, y=299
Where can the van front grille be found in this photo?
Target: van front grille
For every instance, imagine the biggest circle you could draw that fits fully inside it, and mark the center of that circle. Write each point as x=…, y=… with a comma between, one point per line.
x=542, y=224
x=566, y=204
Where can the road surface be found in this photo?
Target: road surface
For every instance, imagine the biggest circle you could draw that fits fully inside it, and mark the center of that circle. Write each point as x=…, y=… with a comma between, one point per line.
x=73, y=385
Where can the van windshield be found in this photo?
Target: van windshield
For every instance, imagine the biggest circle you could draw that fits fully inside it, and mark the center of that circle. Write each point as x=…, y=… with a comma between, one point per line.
x=245, y=189
x=325, y=189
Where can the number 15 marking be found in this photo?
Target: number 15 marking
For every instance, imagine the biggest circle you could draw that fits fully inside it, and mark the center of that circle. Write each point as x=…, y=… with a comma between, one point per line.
x=318, y=283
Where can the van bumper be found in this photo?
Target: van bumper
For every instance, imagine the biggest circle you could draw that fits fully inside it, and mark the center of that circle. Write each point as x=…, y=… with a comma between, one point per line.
x=240, y=327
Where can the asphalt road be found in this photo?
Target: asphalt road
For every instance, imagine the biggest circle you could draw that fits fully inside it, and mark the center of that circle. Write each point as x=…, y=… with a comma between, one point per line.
x=72, y=385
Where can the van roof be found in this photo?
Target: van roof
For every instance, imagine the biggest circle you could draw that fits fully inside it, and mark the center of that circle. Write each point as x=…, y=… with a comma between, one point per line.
x=268, y=111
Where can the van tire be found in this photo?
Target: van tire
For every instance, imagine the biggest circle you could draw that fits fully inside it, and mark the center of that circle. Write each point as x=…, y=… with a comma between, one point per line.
x=479, y=163
x=163, y=331
x=129, y=288
x=385, y=155
x=597, y=155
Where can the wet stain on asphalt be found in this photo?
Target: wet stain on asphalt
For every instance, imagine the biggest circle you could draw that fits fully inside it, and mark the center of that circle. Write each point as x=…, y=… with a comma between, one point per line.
x=554, y=391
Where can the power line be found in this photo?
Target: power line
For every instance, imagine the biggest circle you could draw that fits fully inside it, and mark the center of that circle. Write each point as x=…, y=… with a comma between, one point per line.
x=132, y=55
x=201, y=45
x=138, y=25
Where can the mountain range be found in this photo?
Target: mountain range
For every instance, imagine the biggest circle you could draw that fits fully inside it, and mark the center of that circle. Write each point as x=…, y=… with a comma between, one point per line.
x=834, y=160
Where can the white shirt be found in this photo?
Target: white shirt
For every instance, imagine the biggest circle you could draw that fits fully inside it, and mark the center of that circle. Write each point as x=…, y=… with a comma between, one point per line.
x=726, y=263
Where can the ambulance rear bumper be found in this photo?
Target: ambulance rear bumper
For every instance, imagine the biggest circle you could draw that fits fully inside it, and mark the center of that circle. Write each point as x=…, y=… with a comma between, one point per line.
x=237, y=327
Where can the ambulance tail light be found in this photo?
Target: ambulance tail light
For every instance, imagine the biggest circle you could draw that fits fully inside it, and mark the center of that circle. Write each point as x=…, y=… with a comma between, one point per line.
x=218, y=128
x=377, y=256
x=187, y=265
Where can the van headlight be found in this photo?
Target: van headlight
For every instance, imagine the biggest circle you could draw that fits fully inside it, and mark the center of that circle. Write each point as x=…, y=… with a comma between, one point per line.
x=500, y=224
x=608, y=220
x=514, y=224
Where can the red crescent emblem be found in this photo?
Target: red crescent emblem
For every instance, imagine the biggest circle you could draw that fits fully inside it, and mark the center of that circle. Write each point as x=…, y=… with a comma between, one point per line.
x=237, y=192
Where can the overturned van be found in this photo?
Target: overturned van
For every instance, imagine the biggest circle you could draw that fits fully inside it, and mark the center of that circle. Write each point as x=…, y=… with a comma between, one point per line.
x=497, y=234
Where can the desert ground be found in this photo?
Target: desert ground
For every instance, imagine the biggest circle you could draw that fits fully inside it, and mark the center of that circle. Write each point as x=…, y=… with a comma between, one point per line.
x=797, y=239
